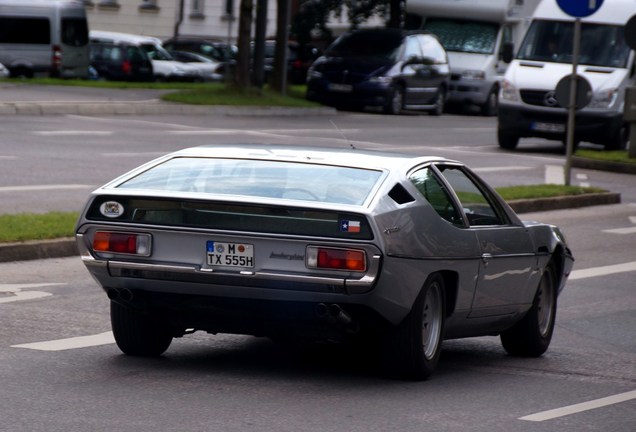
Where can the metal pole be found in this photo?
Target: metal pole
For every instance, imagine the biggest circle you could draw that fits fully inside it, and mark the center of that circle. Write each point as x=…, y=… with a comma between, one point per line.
x=569, y=144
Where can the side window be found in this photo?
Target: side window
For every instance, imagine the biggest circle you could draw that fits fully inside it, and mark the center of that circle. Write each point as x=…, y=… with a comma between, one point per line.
x=433, y=49
x=476, y=205
x=432, y=189
x=412, y=48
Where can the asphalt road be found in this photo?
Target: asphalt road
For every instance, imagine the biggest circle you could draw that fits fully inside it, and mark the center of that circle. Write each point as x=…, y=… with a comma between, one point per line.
x=61, y=371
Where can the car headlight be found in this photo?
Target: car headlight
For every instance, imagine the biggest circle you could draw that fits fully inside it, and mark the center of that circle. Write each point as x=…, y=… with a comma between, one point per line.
x=509, y=91
x=604, y=98
x=473, y=74
x=381, y=79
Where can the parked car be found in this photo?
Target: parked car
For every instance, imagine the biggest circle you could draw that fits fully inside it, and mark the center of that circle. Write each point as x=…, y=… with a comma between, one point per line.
x=4, y=72
x=209, y=70
x=330, y=245
x=213, y=49
x=164, y=66
x=120, y=61
x=299, y=58
x=389, y=68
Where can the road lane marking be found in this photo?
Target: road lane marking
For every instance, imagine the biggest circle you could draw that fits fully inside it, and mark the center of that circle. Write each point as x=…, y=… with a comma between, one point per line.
x=504, y=168
x=72, y=133
x=16, y=294
x=44, y=187
x=630, y=230
x=577, y=408
x=554, y=174
x=8, y=157
x=603, y=270
x=105, y=338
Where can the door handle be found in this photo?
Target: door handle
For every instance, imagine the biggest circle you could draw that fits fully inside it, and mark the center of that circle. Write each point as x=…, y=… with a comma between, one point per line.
x=485, y=258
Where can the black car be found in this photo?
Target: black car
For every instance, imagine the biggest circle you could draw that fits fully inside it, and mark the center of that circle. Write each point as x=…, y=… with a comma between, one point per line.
x=390, y=68
x=120, y=61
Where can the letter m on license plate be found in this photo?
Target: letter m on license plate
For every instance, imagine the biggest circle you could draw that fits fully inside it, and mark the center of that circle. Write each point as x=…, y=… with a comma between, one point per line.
x=230, y=254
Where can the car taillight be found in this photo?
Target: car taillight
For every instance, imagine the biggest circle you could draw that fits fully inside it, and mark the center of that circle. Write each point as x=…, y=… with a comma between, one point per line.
x=56, y=58
x=120, y=242
x=336, y=259
x=126, y=67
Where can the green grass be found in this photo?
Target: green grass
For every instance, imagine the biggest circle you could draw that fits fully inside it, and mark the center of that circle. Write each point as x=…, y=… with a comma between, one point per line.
x=510, y=193
x=621, y=156
x=30, y=226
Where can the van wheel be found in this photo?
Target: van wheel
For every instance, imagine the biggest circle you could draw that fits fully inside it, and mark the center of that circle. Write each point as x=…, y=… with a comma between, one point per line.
x=491, y=107
x=21, y=72
x=507, y=140
x=395, y=103
x=619, y=140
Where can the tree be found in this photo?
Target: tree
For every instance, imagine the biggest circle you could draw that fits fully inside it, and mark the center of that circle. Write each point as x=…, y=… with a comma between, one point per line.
x=242, y=72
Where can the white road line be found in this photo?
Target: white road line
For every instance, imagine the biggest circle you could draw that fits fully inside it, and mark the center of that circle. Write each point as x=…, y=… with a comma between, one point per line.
x=7, y=157
x=71, y=343
x=554, y=174
x=16, y=293
x=499, y=169
x=603, y=271
x=577, y=408
x=43, y=187
x=72, y=133
x=630, y=230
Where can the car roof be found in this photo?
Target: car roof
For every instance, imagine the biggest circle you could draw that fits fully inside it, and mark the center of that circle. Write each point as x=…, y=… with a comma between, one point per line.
x=122, y=37
x=351, y=157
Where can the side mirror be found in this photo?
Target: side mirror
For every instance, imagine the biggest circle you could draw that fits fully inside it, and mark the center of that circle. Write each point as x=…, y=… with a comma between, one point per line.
x=508, y=52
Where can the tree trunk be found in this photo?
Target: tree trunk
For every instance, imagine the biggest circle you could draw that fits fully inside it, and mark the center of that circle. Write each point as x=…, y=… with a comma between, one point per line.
x=242, y=73
x=279, y=78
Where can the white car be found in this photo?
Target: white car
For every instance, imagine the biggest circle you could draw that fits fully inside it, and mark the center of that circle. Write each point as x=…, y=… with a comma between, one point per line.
x=164, y=66
x=4, y=72
x=209, y=70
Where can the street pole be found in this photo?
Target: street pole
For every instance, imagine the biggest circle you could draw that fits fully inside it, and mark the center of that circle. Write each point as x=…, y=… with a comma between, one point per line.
x=569, y=143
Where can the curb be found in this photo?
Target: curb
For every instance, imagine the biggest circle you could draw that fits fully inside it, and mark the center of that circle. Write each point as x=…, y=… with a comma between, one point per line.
x=153, y=107
x=617, y=167
x=65, y=247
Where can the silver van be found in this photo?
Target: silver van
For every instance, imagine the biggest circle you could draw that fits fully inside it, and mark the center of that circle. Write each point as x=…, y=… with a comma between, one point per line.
x=44, y=38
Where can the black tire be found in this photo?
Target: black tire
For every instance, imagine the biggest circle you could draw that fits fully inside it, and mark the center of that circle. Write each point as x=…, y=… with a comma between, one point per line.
x=507, y=140
x=619, y=140
x=138, y=333
x=414, y=348
x=395, y=103
x=491, y=107
x=531, y=336
x=440, y=103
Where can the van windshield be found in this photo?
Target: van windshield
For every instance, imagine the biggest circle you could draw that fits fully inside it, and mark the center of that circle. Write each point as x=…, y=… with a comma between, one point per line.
x=464, y=36
x=366, y=44
x=551, y=41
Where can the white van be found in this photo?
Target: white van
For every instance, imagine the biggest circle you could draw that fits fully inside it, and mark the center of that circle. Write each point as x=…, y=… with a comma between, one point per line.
x=475, y=34
x=528, y=107
x=164, y=66
x=44, y=37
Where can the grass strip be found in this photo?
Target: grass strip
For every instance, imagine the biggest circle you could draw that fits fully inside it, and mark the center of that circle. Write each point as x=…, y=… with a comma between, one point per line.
x=621, y=156
x=510, y=193
x=36, y=226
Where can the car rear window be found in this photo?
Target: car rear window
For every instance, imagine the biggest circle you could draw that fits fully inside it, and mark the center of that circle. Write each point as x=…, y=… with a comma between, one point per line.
x=259, y=178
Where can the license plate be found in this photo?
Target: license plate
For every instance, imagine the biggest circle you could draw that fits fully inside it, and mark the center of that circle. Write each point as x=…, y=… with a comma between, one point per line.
x=230, y=254
x=548, y=127
x=345, y=88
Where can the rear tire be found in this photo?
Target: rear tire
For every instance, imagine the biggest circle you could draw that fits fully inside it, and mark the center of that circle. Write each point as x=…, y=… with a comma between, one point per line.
x=138, y=333
x=531, y=336
x=414, y=347
x=395, y=103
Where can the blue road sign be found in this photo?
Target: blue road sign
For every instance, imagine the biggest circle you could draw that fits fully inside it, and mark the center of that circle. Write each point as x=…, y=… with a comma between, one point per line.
x=579, y=8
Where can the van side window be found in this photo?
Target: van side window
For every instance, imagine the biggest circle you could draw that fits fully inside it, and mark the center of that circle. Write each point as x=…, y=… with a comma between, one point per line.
x=25, y=30
x=74, y=32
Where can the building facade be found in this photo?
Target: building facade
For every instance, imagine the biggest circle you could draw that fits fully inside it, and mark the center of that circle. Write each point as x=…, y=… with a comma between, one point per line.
x=167, y=18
